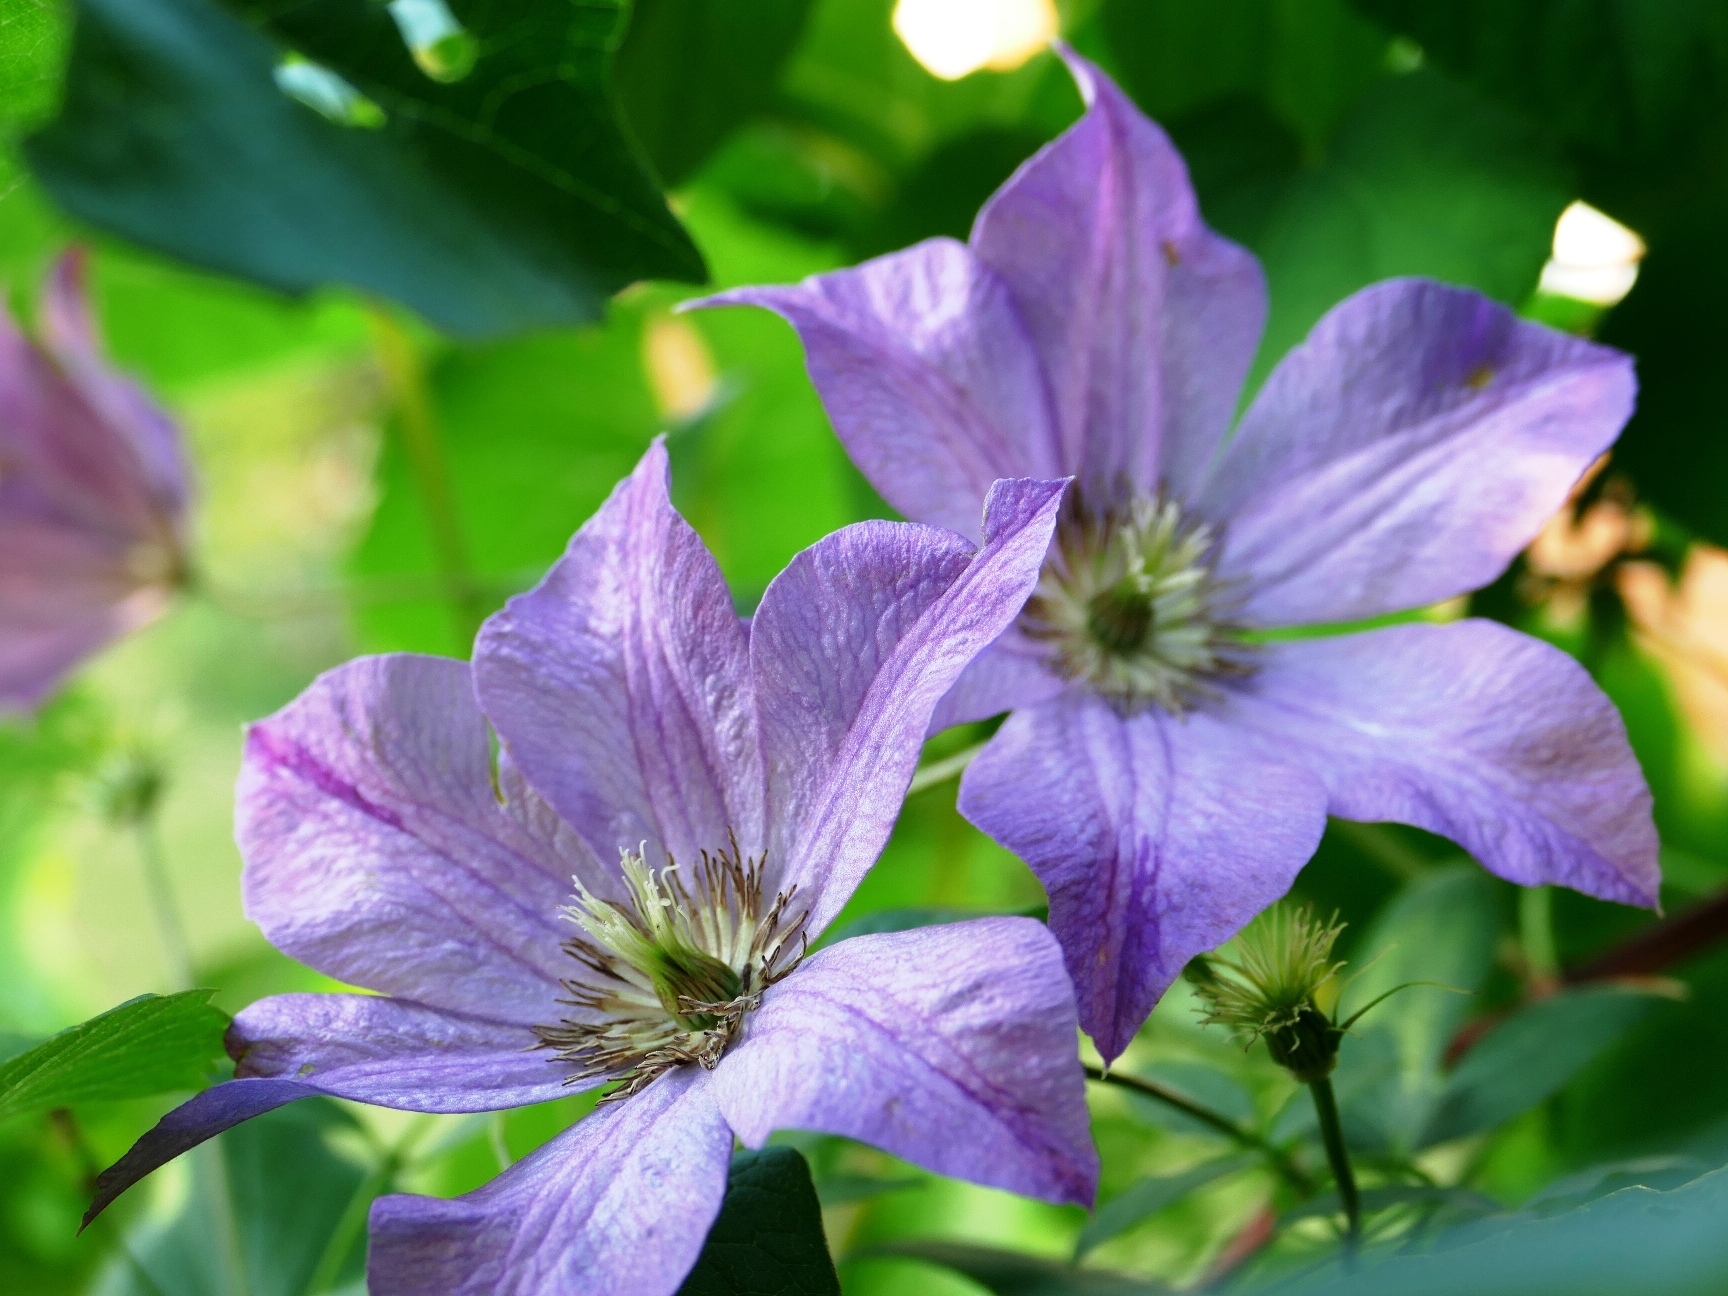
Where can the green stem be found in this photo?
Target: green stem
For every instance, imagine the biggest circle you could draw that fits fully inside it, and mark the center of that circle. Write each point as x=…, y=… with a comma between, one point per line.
x=1280, y=1161
x=495, y=1135
x=347, y=1231
x=176, y=952
x=1536, y=937
x=1332, y=1134
x=227, y=1223
x=418, y=425
x=940, y=771
x=90, y=1166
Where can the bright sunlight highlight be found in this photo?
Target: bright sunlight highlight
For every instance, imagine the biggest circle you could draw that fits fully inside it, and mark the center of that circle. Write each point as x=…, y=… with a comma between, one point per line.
x=954, y=38
x=1595, y=257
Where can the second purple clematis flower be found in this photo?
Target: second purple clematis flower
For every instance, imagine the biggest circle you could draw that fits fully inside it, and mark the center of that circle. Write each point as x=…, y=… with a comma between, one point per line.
x=93, y=497
x=681, y=805
x=1169, y=765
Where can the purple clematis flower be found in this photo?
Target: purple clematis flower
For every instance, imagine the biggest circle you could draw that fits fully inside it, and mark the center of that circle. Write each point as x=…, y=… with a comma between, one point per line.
x=93, y=495
x=1168, y=766
x=681, y=805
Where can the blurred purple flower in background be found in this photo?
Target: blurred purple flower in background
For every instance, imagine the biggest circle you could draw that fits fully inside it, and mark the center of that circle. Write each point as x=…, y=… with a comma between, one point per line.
x=93, y=494
x=1167, y=769
x=716, y=791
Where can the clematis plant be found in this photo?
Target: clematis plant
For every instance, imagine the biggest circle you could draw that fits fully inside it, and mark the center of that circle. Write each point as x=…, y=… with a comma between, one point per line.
x=629, y=895
x=93, y=496
x=1171, y=758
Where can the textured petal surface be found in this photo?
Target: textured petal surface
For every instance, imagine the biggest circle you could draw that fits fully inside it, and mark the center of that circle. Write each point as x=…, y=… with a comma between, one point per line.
x=378, y=852
x=953, y=1047
x=928, y=375
x=1144, y=320
x=1156, y=838
x=1476, y=732
x=620, y=683
x=394, y=1053
x=1406, y=451
x=201, y=1117
x=620, y=1202
x=854, y=645
x=1009, y=673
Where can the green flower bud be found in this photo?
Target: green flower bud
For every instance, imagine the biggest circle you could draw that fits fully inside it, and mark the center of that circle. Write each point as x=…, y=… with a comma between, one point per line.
x=1273, y=989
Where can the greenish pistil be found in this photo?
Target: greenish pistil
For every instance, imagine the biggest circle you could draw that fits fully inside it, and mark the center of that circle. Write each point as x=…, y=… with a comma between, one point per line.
x=1121, y=617
x=1127, y=605
x=683, y=976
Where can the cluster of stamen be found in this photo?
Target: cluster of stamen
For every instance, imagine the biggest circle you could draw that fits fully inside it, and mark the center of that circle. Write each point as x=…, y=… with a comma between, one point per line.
x=1128, y=605
x=668, y=977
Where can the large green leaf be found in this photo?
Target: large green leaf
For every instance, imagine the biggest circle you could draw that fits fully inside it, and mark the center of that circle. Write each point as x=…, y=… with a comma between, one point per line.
x=768, y=1239
x=148, y=1045
x=1151, y=1195
x=506, y=199
x=1529, y=1056
x=1423, y=178
x=1308, y=61
x=1637, y=1240
x=297, y=1208
x=1612, y=76
x=689, y=71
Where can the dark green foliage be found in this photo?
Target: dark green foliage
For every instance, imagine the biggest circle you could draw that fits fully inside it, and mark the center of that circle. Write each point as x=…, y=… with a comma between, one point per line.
x=689, y=71
x=1637, y=1240
x=1530, y=1055
x=1152, y=1195
x=1614, y=78
x=148, y=1045
x=291, y=1198
x=1014, y=1273
x=506, y=200
x=768, y=1238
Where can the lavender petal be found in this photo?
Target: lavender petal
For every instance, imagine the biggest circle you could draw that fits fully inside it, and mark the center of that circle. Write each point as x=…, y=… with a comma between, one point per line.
x=1475, y=732
x=953, y=1047
x=620, y=1202
x=1156, y=837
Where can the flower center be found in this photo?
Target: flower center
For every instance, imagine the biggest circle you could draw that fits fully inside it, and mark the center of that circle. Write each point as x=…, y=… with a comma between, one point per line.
x=1127, y=605
x=668, y=977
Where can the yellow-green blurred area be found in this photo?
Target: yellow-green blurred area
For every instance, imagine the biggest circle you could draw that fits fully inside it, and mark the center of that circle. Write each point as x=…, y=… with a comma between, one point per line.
x=366, y=484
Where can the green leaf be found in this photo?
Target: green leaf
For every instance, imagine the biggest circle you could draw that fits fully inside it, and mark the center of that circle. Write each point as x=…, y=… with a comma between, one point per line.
x=1014, y=1273
x=1423, y=178
x=291, y=1194
x=1307, y=61
x=768, y=1239
x=1660, y=1172
x=505, y=200
x=1530, y=1055
x=690, y=71
x=899, y=920
x=1636, y=1240
x=1616, y=77
x=843, y=1189
x=148, y=1045
x=1385, y=1197
x=1151, y=1195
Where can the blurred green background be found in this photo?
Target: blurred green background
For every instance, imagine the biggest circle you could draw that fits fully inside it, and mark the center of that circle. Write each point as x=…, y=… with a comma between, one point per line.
x=383, y=459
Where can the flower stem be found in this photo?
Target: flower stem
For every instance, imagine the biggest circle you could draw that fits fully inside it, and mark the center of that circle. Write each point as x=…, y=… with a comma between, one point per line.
x=1332, y=1134
x=417, y=424
x=1536, y=938
x=171, y=932
x=1280, y=1161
